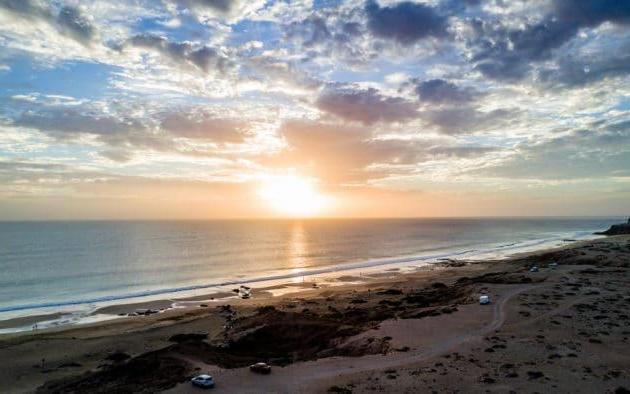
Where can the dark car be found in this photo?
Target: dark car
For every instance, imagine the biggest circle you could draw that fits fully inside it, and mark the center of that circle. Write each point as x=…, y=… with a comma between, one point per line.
x=261, y=368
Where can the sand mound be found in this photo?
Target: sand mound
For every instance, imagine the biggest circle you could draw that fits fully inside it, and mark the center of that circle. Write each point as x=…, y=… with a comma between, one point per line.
x=276, y=337
x=148, y=373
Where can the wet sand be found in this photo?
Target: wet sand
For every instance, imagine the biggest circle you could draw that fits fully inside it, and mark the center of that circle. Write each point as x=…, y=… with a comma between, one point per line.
x=28, y=320
x=562, y=329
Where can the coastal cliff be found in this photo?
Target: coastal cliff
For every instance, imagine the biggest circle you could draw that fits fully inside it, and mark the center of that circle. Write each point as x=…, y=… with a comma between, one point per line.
x=617, y=229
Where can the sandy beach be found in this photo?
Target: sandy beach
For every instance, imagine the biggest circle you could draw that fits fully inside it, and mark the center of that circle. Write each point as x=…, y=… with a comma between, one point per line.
x=564, y=328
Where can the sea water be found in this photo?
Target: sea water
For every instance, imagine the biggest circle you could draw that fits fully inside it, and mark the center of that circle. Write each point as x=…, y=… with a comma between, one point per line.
x=47, y=267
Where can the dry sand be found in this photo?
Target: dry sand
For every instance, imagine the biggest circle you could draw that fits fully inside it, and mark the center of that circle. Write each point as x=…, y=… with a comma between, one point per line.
x=562, y=329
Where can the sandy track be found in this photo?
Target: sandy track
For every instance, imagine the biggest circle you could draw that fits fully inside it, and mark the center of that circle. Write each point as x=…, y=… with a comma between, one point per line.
x=304, y=376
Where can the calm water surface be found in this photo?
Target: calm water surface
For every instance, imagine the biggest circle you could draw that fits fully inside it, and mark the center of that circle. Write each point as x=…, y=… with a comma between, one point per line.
x=63, y=263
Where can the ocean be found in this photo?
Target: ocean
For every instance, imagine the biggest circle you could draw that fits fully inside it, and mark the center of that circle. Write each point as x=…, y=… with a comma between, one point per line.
x=47, y=267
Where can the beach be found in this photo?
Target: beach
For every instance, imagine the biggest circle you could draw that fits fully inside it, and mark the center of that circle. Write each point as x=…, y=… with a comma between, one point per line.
x=562, y=328
x=333, y=196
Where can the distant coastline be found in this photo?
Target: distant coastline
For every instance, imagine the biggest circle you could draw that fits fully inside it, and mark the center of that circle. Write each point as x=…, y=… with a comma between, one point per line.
x=85, y=310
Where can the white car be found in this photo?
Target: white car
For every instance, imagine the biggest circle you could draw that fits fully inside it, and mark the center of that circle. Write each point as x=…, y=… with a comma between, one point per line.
x=203, y=381
x=245, y=292
x=484, y=300
x=533, y=269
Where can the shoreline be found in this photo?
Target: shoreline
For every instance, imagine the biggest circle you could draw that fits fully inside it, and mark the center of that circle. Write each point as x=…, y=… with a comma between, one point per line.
x=77, y=312
x=399, y=326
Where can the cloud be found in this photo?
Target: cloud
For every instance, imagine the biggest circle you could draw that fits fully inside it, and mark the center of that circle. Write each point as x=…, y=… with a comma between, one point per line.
x=455, y=109
x=588, y=13
x=342, y=153
x=279, y=73
x=524, y=89
x=27, y=166
x=205, y=127
x=218, y=5
x=312, y=31
x=117, y=155
x=118, y=132
x=335, y=153
x=573, y=71
x=69, y=21
x=74, y=24
x=468, y=119
x=73, y=121
x=405, y=22
x=367, y=106
x=459, y=151
x=331, y=35
x=231, y=10
x=505, y=53
x=440, y=91
x=203, y=58
x=26, y=7
x=582, y=153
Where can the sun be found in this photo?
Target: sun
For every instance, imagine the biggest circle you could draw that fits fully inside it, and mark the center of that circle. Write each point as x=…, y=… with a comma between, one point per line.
x=293, y=196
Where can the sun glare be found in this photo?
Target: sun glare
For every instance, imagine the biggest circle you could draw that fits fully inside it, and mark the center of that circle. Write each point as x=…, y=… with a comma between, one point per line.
x=293, y=196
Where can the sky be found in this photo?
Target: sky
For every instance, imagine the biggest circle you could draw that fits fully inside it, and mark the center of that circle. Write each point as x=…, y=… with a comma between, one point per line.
x=196, y=109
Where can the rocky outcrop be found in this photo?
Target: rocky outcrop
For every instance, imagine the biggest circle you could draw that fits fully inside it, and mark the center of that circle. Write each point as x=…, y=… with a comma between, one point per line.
x=617, y=229
x=192, y=337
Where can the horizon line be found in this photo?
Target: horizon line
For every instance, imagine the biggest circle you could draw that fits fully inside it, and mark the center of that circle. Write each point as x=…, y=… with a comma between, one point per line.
x=280, y=218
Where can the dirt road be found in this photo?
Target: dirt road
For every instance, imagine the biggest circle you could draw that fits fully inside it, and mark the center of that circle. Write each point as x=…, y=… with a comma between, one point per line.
x=302, y=377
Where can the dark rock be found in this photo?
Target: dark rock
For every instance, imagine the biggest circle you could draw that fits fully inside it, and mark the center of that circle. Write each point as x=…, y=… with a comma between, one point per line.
x=266, y=309
x=535, y=374
x=448, y=310
x=190, y=337
x=145, y=312
x=617, y=229
x=390, y=292
x=117, y=357
x=339, y=390
x=70, y=365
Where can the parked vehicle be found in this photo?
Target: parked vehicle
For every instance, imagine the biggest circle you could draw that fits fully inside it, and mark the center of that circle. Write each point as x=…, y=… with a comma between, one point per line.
x=484, y=300
x=262, y=368
x=244, y=292
x=203, y=381
x=533, y=269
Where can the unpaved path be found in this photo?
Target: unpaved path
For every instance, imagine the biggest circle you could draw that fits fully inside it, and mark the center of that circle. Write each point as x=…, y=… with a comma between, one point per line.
x=300, y=377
